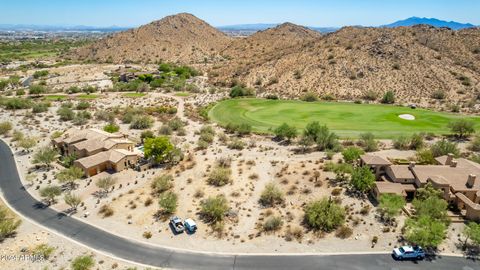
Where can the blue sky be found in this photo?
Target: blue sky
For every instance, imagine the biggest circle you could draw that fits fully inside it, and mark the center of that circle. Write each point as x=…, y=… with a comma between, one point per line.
x=217, y=12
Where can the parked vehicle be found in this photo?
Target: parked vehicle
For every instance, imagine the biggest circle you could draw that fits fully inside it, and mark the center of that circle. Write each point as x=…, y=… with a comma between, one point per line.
x=190, y=225
x=177, y=224
x=409, y=252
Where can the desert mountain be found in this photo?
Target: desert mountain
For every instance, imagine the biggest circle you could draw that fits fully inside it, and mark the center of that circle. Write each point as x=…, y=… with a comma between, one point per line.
x=430, y=21
x=415, y=62
x=182, y=37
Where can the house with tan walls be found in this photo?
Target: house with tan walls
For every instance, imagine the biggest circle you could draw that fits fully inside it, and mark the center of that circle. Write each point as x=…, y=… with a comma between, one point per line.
x=97, y=151
x=457, y=178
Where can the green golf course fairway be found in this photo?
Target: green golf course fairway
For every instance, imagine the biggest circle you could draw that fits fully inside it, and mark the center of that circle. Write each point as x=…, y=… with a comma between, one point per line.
x=346, y=119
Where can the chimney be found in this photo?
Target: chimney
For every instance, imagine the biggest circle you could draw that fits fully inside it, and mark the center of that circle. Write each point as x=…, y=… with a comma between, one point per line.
x=471, y=180
x=449, y=159
x=453, y=164
x=411, y=165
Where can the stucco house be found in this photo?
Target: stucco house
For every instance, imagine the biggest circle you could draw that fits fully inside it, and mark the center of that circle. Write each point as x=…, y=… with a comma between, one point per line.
x=97, y=151
x=457, y=178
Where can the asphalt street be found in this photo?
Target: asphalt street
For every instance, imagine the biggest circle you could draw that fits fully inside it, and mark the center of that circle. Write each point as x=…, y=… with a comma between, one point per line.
x=18, y=198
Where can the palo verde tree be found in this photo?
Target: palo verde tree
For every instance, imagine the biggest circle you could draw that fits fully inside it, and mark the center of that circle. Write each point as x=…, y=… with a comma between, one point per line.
x=362, y=179
x=324, y=214
x=158, y=149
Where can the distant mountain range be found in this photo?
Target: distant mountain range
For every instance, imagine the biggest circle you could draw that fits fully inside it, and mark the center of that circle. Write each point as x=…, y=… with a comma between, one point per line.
x=430, y=21
x=60, y=28
x=407, y=22
x=232, y=28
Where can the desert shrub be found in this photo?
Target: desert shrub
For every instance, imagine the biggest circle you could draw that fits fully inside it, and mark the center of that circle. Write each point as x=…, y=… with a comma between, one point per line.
x=239, y=91
x=5, y=127
x=324, y=215
x=370, y=95
x=271, y=195
x=417, y=141
x=368, y=142
x=425, y=156
x=141, y=122
x=17, y=103
x=475, y=144
x=43, y=250
x=285, y=131
x=214, y=209
x=236, y=144
x=344, y=232
x=294, y=233
x=219, y=176
x=83, y=105
x=388, y=98
x=325, y=139
x=8, y=223
x=168, y=202
x=309, y=97
x=401, y=143
x=104, y=115
x=351, y=154
x=40, y=73
x=146, y=134
x=40, y=107
x=111, y=128
x=83, y=263
x=37, y=89
x=162, y=183
x=444, y=147
x=176, y=124
x=147, y=235
x=65, y=113
x=165, y=130
x=202, y=145
x=49, y=193
x=439, y=94
x=106, y=211
x=273, y=223
x=81, y=118
x=462, y=128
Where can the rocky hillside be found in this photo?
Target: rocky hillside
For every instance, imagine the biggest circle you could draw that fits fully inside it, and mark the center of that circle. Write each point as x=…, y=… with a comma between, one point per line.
x=415, y=62
x=178, y=38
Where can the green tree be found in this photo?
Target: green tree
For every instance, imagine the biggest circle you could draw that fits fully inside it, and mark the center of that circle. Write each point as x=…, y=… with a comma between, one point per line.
x=69, y=176
x=324, y=214
x=472, y=232
x=214, y=208
x=428, y=191
x=322, y=136
x=425, y=231
x=168, y=203
x=433, y=207
x=390, y=205
x=45, y=156
x=305, y=142
x=50, y=193
x=352, y=154
x=425, y=156
x=157, y=149
x=72, y=200
x=111, y=128
x=362, y=179
x=462, y=128
x=83, y=263
x=388, y=97
x=8, y=223
x=285, y=131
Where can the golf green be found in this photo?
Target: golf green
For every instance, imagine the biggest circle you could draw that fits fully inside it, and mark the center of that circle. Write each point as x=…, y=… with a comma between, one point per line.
x=346, y=119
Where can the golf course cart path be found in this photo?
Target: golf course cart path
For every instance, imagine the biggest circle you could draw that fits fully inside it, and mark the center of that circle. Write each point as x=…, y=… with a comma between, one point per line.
x=115, y=246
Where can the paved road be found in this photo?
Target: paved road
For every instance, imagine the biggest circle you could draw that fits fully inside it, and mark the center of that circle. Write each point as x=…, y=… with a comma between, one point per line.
x=106, y=242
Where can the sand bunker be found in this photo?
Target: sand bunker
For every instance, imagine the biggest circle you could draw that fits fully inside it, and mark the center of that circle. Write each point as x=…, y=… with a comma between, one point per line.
x=407, y=117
